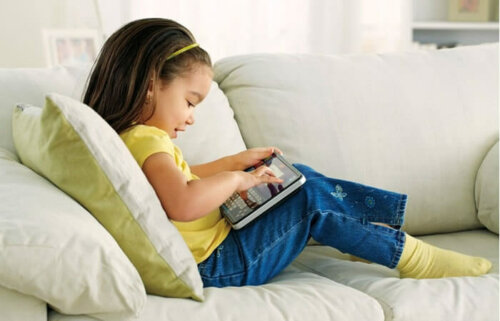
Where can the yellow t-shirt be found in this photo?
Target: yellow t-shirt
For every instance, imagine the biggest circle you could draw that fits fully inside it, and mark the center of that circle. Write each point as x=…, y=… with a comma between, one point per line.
x=202, y=235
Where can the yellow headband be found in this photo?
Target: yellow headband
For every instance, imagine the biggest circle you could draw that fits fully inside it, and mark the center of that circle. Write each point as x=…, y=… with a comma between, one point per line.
x=178, y=52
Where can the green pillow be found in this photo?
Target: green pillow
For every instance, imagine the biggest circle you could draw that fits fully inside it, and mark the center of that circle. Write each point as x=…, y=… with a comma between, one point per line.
x=71, y=145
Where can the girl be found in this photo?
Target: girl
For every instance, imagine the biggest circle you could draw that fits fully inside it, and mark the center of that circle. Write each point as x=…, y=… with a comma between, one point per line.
x=146, y=83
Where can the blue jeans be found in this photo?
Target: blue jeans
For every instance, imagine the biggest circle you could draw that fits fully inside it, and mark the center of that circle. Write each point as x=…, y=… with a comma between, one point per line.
x=334, y=212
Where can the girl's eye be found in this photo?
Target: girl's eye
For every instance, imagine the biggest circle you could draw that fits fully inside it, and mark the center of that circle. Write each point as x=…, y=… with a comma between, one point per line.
x=189, y=104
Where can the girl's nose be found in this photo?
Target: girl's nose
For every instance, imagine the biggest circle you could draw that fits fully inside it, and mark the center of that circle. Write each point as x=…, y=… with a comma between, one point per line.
x=190, y=120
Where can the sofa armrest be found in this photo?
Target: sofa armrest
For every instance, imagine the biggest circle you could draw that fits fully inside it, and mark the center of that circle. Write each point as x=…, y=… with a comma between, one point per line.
x=486, y=190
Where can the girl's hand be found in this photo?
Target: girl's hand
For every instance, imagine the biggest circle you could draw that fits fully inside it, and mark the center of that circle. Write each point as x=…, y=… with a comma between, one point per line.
x=261, y=175
x=250, y=157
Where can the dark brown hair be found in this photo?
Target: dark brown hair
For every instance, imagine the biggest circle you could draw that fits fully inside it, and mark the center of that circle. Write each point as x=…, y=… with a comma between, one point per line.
x=130, y=58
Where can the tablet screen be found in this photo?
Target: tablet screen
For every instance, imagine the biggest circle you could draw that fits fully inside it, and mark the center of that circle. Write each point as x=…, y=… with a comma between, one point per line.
x=239, y=205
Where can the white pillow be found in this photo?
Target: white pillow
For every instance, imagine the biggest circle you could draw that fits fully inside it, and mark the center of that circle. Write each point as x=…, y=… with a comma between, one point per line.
x=487, y=190
x=53, y=249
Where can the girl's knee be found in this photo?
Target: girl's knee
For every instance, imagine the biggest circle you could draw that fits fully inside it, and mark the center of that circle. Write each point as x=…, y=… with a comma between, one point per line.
x=307, y=171
x=314, y=187
x=301, y=167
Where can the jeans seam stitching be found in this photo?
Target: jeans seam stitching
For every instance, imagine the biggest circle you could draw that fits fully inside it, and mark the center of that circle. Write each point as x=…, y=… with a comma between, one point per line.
x=399, y=249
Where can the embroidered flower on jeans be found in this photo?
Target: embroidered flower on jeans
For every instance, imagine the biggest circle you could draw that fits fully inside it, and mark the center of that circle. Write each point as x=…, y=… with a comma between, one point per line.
x=370, y=202
x=339, y=193
x=219, y=250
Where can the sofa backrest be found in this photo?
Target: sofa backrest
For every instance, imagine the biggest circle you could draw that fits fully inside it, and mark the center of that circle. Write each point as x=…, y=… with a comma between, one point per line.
x=27, y=85
x=215, y=133
x=419, y=123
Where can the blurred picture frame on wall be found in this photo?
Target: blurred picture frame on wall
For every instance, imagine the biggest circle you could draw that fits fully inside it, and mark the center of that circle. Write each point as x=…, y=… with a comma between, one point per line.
x=473, y=10
x=70, y=46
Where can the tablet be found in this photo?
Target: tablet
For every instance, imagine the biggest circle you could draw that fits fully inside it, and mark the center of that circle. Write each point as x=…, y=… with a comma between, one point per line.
x=243, y=207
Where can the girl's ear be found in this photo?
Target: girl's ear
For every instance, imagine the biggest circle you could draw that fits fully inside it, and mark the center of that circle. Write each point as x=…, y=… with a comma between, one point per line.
x=151, y=87
x=150, y=92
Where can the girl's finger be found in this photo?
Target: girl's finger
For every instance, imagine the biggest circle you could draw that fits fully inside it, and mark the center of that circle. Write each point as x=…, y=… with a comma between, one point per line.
x=267, y=151
x=277, y=150
x=273, y=179
x=265, y=170
x=270, y=172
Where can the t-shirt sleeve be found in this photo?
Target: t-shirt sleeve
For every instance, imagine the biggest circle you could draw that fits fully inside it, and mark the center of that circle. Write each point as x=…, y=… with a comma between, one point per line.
x=144, y=142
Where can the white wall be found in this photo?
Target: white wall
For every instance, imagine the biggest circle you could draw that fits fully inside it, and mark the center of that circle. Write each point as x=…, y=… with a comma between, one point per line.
x=22, y=22
x=229, y=27
x=223, y=27
x=20, y=31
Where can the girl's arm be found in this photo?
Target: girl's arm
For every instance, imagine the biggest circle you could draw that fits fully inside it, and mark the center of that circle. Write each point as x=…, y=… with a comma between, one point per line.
x=236, y=162
x=189, y=200
x=223, y=164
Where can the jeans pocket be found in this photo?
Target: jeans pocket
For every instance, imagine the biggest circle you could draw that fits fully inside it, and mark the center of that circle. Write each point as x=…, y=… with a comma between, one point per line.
x=225, y=260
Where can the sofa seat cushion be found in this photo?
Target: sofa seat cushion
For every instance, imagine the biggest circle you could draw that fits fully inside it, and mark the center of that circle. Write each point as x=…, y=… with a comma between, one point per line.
x=293, y=295
x=21, y=307
x=458, y=299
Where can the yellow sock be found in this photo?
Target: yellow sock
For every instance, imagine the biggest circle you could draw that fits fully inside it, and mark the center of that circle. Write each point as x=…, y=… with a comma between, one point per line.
x=424, y=261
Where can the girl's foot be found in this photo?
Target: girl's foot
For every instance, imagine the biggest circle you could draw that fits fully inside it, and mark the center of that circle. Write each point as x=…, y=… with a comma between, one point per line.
x=424, y=261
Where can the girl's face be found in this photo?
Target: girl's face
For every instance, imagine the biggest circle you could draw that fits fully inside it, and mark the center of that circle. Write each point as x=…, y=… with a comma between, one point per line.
x=175, y=102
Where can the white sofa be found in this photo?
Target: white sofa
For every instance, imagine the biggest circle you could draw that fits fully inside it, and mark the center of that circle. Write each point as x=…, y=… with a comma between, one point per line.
x=420, y=123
